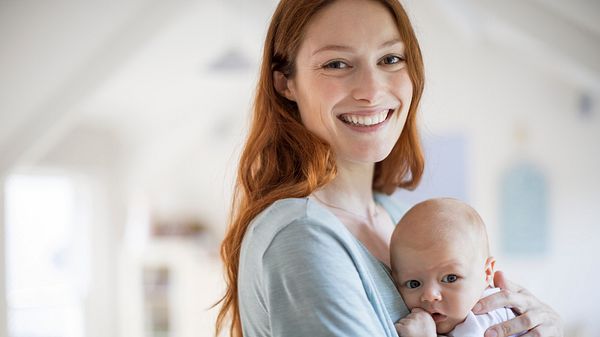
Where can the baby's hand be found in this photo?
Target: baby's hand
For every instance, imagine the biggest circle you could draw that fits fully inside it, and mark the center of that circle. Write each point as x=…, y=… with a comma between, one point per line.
x=418, y=323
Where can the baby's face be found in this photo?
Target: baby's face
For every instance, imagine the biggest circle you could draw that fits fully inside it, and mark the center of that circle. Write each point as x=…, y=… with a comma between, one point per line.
x=446, y=280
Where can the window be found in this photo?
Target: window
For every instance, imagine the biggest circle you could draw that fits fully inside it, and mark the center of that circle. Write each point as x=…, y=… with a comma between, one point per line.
x=47, y=257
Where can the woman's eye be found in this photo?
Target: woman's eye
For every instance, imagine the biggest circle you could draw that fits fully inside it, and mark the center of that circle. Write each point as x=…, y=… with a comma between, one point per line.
x=336, y=65
x=413, y=284
x=450, y=278
x=392, y=59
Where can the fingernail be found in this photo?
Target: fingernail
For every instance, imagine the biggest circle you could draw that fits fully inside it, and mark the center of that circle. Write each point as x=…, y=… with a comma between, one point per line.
x=491, y=333
x=477, y=308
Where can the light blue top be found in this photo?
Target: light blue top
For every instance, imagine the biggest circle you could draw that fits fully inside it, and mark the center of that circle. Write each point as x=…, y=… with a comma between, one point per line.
x=302, y=273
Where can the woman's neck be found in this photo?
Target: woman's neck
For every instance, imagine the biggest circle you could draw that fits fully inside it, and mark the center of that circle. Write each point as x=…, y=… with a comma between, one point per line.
x=352, y=188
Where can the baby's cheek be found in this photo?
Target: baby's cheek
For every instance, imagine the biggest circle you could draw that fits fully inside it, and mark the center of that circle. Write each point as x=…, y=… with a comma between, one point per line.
x=410, y=300
x=464, y=304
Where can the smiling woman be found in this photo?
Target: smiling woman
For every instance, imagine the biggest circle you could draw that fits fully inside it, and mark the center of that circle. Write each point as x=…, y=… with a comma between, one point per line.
x=333, y=135
x=333, y=129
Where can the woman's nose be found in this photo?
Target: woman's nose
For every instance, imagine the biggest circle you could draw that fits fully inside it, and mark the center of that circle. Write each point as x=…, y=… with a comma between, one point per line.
x=368, y=85
x=431, y=293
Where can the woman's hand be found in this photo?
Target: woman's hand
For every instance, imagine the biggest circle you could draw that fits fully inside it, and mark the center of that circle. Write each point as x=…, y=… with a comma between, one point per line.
x=418, y=323
x=534, y=315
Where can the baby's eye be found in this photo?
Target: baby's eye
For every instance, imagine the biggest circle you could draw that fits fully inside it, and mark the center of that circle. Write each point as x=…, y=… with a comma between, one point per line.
x=451, y=278
x=336, y=65
x=412, y=284
x=392, y=59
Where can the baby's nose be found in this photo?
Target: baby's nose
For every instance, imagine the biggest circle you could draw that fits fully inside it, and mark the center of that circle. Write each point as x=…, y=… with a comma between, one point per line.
x=431, y=294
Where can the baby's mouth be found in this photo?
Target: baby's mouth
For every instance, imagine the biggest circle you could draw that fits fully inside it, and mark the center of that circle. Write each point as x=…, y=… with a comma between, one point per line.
x=437, y=317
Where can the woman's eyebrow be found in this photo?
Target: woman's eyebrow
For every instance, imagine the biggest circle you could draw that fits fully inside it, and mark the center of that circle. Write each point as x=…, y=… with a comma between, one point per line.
x=337, y=47
x=391, y=43
x=333, y=47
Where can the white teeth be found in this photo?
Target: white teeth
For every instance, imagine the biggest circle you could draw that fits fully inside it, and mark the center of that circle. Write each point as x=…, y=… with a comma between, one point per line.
x=366, y=120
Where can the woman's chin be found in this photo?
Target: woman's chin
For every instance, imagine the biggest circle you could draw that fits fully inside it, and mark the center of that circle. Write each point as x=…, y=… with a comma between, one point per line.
x=367, y=155
x=366, y=159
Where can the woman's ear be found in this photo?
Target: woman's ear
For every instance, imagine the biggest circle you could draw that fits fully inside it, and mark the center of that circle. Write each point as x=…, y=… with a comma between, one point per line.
x=283, y=85
x=490, y=269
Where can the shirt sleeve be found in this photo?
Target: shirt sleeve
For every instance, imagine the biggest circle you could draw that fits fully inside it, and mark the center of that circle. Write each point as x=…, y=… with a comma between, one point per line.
x=313, y=286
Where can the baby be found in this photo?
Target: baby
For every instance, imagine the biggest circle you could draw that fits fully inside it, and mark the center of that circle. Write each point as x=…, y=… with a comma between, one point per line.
x=442, y=267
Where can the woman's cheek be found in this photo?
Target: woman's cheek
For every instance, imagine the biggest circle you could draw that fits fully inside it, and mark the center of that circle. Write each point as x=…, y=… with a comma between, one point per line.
x=403, y=87
x=334, y=91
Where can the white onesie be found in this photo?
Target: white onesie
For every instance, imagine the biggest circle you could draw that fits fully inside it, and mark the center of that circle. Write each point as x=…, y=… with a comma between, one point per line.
x=475, y=325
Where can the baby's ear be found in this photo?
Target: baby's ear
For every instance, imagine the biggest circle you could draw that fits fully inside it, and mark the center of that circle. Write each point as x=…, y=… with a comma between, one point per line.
x=283, y=85
x=490, y=265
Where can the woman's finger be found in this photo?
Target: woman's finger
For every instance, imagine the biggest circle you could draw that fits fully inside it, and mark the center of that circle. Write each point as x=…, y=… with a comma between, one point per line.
x=535, y=317
x=501, y=282
x=543, y=331
x=518, y=324
x=504, y=298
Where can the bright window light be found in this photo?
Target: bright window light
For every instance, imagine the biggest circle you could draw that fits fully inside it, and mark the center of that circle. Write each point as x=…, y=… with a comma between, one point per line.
x=46, y=257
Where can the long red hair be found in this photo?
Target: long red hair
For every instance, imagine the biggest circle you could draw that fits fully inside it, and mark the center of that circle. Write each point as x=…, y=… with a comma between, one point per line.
x=282, y=159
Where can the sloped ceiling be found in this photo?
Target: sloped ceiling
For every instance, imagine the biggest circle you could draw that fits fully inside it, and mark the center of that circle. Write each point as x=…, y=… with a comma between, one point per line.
x=135, y=66
x=145, y=68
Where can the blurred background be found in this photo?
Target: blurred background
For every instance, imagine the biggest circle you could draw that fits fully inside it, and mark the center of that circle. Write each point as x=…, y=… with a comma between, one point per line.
x=121, y=123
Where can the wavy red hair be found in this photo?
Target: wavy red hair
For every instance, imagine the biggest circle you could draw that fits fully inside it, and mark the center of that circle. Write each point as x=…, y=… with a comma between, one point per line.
x=282, y=159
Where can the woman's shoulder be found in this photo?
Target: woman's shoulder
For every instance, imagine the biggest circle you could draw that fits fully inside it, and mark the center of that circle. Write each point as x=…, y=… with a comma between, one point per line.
x=280, y=213
x=291, y=212
x=290, y=220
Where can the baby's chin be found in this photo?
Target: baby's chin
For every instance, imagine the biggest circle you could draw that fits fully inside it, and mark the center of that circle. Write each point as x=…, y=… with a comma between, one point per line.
x=445, y=324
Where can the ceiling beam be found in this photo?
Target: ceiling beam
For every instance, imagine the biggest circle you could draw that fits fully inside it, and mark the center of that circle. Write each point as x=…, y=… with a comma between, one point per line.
x=550, y=39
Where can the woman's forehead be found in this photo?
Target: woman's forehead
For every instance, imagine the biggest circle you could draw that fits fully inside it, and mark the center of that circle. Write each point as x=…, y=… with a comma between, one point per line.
x=351, y=24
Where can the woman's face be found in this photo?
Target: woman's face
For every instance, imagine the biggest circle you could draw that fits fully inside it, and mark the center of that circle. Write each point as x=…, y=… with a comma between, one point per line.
x=351, y=82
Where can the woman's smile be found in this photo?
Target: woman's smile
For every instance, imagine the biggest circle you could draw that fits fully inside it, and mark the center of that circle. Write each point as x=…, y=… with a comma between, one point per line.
x=366, y=121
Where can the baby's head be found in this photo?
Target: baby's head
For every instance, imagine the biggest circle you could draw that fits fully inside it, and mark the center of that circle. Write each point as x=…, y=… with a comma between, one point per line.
x=440, y=260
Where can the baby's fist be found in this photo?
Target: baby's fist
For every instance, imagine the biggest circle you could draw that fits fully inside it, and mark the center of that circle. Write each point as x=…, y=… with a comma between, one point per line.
x=418, y=323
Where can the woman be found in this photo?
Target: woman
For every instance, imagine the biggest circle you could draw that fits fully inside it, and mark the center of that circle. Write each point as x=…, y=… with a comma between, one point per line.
x=333, y=134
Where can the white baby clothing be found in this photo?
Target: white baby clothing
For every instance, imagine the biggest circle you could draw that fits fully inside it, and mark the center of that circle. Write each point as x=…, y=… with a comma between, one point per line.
x=476, y=325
